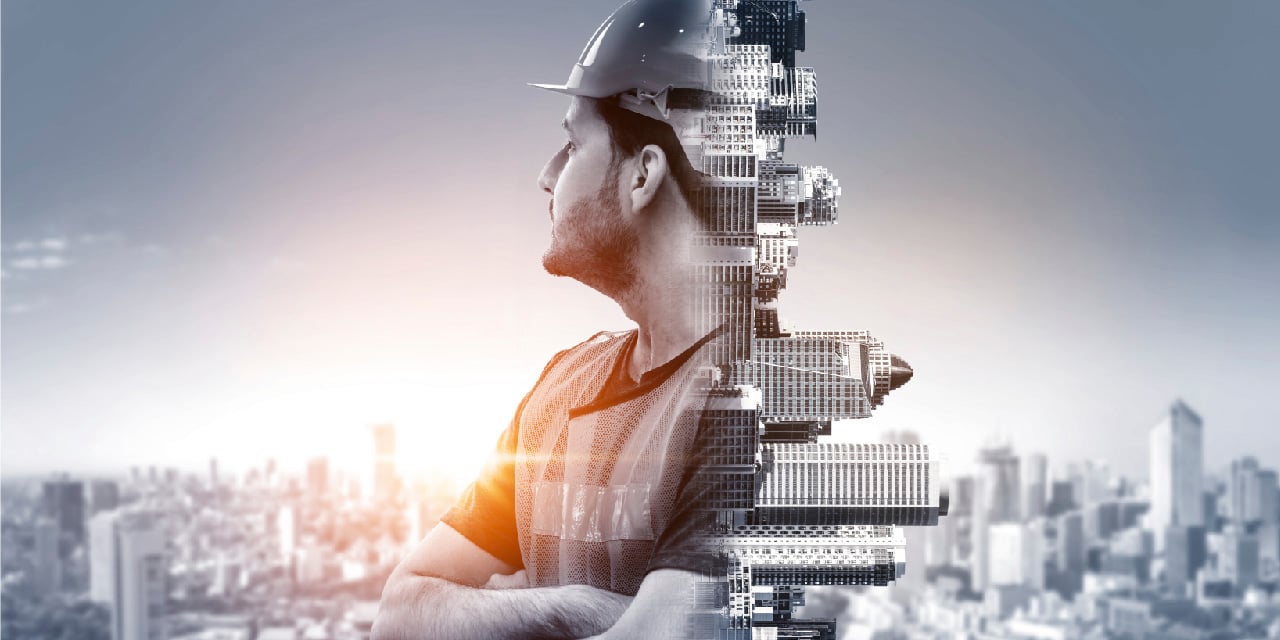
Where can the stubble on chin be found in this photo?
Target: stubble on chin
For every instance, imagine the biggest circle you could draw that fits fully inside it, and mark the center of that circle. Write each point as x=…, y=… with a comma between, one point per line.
x=596, y=247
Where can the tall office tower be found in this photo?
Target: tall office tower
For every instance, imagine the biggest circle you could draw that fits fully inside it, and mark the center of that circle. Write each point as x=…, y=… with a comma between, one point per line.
x=835, y=484
x=129, y=572
x=317, y=476
x=104, y=495
x=385, y=481
x=1268, y=505
x=997, y=492
x=1177, y=453
x=1242, y=489
x=1251, y=492
x=1071, y=554
x=64, y=504
x=138, y=608
x=1035, y=476
x=102, y=555
x=46, y=563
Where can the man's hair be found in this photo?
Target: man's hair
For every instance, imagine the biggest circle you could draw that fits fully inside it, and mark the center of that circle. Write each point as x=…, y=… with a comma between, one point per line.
x=630, y=132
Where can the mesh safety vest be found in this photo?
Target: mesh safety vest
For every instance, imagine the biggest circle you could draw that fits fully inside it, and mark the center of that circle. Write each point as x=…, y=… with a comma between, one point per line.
x=596, y=483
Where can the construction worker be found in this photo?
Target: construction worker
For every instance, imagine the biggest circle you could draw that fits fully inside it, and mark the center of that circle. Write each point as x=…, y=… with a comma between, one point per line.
x=578, y=525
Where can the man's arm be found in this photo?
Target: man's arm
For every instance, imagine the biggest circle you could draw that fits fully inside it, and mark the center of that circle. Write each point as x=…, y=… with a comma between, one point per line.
x=661, y=610
x=437, y=592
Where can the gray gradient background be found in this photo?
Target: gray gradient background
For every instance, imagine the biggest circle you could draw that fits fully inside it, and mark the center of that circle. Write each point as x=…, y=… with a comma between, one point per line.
x=246, y=229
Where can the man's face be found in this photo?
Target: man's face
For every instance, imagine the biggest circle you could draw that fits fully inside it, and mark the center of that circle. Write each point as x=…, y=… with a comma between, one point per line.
x=591, y=239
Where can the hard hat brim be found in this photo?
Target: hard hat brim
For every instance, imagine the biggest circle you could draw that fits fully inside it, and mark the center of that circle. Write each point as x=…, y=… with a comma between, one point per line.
x=558, y=88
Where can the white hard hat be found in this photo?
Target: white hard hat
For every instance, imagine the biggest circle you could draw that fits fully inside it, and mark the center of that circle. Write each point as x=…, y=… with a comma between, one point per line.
x=650, y=53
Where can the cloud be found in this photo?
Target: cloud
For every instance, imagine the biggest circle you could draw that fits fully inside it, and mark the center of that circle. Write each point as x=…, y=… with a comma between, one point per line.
x=54, y=244
x=99, y=238
x=47, y=261
x=24, y=245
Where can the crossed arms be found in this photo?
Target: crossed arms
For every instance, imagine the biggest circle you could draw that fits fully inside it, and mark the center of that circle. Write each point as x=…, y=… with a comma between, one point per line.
x=448, y=587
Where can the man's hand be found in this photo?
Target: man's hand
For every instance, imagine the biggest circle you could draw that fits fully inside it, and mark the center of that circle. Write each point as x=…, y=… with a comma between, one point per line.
x=517, y=580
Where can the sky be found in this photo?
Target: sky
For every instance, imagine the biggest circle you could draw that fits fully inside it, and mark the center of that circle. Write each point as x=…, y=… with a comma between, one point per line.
x=254, y=229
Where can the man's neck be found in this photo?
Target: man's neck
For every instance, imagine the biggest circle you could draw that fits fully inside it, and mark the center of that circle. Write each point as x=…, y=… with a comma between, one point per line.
x=659, y=342
x=661, y=303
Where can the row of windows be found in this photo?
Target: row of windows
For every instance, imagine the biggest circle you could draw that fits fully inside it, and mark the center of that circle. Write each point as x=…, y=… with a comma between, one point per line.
x=874, y=484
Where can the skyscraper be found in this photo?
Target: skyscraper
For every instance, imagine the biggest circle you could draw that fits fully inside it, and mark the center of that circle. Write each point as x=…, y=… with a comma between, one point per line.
x=1177, y=454
x=129, y=572
x=64, y=503
x=47, y=563
x=102, y=556
x=1035, y=477
x=997, y=499
x=840, y=483
x=138, y=608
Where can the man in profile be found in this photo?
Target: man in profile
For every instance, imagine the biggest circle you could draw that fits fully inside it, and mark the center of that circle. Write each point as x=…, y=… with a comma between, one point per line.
x=580, y=525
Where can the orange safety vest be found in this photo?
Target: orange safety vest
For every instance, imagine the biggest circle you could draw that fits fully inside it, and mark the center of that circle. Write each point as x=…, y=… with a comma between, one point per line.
x=595, y=484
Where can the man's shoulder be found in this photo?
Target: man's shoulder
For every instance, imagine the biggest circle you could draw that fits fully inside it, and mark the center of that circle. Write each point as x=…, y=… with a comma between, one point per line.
x=604, y=337
x=599, y=349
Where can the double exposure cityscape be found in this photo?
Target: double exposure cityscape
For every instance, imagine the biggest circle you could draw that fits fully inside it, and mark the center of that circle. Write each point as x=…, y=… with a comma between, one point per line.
x=825, y=529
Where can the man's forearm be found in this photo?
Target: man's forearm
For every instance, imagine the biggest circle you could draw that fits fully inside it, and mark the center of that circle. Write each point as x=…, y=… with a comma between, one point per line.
x=424, y=607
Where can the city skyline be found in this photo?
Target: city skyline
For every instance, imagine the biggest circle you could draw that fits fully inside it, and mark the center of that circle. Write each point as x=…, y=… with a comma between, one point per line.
x=1078, y=554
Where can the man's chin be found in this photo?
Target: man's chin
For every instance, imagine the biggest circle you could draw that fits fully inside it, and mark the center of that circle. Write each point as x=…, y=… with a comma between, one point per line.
x=603, y=277
x=554, y=263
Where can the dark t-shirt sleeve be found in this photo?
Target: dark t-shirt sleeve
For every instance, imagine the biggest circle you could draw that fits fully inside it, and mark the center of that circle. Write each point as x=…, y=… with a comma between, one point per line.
x=485, y=513
x=688, y=542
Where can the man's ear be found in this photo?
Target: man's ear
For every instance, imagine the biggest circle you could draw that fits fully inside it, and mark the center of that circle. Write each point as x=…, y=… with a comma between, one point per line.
x=651, y=170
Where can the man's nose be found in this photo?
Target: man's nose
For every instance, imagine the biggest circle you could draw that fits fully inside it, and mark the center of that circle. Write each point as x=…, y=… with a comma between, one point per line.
x=551, y=172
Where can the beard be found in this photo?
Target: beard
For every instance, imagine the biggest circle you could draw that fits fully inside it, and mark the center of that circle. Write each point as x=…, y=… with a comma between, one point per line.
x=594, y=244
